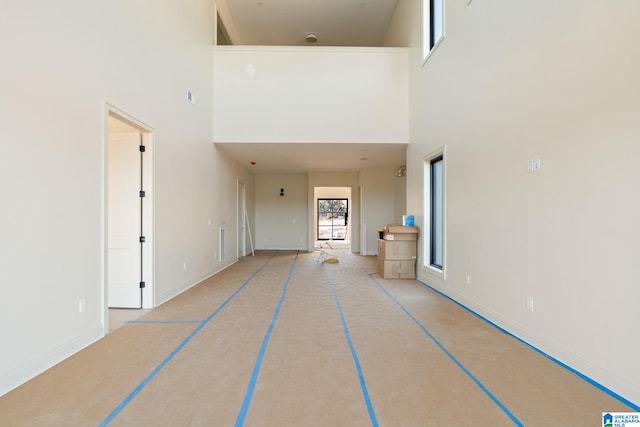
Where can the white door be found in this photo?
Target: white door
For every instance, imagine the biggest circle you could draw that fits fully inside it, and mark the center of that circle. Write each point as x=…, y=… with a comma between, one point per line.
x=124, y=220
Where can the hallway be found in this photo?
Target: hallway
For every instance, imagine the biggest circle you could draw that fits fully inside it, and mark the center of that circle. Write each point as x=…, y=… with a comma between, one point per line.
x=281, y=340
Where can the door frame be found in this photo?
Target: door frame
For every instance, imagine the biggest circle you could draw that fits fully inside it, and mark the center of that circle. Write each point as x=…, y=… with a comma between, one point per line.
x=241, y=242
x=148, y=213
x=319, y=191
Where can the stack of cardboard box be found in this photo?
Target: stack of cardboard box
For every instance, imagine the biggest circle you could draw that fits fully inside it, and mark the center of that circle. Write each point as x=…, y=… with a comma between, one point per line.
x=397, y=252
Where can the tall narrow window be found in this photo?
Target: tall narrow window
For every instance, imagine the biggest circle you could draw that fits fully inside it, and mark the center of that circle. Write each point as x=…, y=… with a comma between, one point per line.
x=437, y=213
x=435, y=225
x=432, y=24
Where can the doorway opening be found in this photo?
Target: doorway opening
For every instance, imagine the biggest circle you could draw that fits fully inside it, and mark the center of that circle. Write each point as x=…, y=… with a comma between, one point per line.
x=242, y=220
x=332, y=222
x=129, y=215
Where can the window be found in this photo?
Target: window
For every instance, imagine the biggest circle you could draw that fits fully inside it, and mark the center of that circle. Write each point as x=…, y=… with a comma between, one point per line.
x=435, y=220
x=432, y=25
x=436, y=225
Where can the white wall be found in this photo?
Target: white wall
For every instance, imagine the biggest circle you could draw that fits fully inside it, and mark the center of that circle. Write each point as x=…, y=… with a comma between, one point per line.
x=311, y=94
x=377, y=204
x=400, y=199
x=275, y=215
x=282, y=221
x=62, y=62
x=227, y=189
x=558, y=81
x=332, y=193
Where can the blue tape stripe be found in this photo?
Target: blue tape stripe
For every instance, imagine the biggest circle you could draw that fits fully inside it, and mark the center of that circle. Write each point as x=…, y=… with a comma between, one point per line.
x=356, y=361
x=158, y=368
x=448, y=353
x=256, y=369
x=164, y=322
x=537, y=350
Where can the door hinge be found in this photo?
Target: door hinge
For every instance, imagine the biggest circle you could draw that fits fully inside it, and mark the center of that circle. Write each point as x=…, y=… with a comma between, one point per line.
x=142, y=148
x=142, y=239
x=142, y=194
x=142, y=285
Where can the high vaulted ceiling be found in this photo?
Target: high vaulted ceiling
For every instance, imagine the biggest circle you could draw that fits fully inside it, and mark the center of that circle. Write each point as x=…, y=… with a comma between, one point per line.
x=286, y=23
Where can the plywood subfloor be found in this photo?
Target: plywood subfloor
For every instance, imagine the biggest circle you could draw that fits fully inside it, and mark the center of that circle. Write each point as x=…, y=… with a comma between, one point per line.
x=281, y=340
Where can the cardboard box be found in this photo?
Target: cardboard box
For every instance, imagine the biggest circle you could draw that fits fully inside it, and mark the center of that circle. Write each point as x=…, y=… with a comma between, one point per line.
x=397, y=269
x=399, y=229
x=396, y=250
x=401, y=236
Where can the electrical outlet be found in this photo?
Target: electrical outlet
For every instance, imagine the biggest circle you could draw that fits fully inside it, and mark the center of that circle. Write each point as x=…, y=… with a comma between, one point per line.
x=184, y=266
x=534, y=165
x=82, y=305
x=530, y=303
x=468, y=279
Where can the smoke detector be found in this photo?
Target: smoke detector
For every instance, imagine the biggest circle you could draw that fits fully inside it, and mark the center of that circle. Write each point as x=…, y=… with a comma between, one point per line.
x=311, y=38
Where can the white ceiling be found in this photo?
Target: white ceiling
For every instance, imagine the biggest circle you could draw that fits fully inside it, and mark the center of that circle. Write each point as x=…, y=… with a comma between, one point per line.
x=285, y=23
x=321, y=157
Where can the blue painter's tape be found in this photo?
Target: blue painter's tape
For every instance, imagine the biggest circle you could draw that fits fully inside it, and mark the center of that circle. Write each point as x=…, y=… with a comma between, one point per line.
x=164, y=322
x=158, y=368
x=256, y=369
x=536, y=349
x=495, y=400
x=356, y=361
x=453, y=358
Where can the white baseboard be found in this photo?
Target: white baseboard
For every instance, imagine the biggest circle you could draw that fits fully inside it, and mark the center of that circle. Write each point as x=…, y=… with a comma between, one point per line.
x=15, y=377
x=607, y=381
x=177, y=290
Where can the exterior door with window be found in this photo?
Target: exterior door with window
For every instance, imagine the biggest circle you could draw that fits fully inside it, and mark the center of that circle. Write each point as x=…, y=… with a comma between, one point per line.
x=333, y=217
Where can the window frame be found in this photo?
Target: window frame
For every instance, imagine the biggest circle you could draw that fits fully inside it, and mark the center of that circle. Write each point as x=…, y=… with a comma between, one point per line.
x=433, y=214
x=429, y=41
x=428, y=190
x=331, y=210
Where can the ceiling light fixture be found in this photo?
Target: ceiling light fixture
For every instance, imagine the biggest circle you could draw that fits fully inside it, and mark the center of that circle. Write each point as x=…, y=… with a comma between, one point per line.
x=311, y=37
